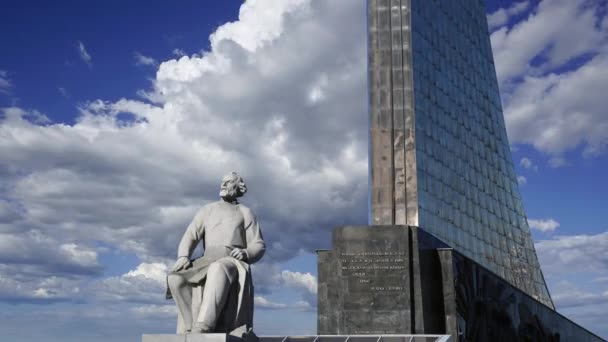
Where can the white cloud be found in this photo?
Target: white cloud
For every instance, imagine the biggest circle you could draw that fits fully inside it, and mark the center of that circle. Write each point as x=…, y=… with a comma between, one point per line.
x=168, y=312
x=557, y=162
x=145, y=284
x=527, y=163
x=552, y=78
x=556, y=113
x=601, y=280
x=8, y=213
x=571, y=255
x=573, y=297
x=131, y=174
x=300, y=280
x=521, y=180
x=178, y=52
x=242, y=106
x=46, y=255
x=64, y=92
x=84, y=54
x=263, y=303
x=304, y=305
x=5, y=82
x=155, y=271
x=289, y=113
x=547, y=225
x=258, y=24
x=15, y=289
x=544, y=36
x=144, y=60
x=570, y=265
x=502, y=15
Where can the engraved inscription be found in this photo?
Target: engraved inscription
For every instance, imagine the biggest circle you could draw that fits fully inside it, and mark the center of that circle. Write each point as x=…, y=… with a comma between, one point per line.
x=375, y=271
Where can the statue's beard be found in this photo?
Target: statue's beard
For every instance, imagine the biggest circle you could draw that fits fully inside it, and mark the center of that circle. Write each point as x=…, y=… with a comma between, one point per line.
x=230, y=192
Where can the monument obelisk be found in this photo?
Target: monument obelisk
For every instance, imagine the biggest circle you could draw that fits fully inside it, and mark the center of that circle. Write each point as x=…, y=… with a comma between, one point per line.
x=447, y=231
x=393, y=191
x=439, y=152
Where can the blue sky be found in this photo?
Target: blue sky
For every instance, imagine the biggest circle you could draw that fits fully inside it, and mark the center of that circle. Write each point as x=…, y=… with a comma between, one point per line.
x=117, y=121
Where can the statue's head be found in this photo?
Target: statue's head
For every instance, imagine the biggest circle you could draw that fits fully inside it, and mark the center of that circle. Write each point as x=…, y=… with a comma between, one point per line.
x=232, y=187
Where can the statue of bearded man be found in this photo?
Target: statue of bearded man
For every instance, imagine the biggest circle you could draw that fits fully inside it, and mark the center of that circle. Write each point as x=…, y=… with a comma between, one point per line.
x=214, y=293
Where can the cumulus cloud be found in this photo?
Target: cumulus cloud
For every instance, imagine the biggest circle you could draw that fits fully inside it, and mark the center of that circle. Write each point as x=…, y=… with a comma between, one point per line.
x=570, y=264
x=84, y=54
x=263, y=303
x=64, y=92
x=547, y=225
x=300, y=280
x=5, y=82
x=558, y=112
x=502, y=15
x=144, y=60
x=145, y=284
x=573, y=297
x=153, y=271
x=45, y=255
x=300, y=160
x=178, y=52
x=570, y=255
x=20, y=289
x=552, y=76
x=527, y=163
x=521, y=180
x=167, y=312
x=287, y=112
x=542, y=37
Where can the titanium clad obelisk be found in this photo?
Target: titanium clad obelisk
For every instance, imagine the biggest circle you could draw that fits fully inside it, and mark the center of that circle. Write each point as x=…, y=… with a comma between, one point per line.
x=439, y=152
x=448, y=249
x=392, y=131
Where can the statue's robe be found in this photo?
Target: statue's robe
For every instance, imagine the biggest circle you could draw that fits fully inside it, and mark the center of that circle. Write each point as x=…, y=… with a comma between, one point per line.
x=221, y=227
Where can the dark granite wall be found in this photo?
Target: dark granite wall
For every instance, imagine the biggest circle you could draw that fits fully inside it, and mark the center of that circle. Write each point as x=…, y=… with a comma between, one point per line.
x=364, y=283
x=487, y=308
x=403, y=280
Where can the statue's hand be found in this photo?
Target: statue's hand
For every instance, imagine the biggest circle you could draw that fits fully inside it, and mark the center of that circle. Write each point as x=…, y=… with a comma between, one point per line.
x=181, y=264
x=239, y=254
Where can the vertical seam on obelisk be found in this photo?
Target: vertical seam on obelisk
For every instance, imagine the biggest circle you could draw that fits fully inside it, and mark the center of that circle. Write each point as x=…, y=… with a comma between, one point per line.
x=411, y=280
x=403, y=73
x=370, y=218
x=412, y=126
x=392, y=144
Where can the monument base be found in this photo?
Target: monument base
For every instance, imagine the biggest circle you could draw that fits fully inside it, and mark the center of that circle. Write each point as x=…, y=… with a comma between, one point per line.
x=305, y=338
x=403, y=280
x=190, y=338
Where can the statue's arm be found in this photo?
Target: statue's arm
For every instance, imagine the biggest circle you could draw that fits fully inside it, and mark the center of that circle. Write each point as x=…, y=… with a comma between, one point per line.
x=255, y=242
x=192, y=236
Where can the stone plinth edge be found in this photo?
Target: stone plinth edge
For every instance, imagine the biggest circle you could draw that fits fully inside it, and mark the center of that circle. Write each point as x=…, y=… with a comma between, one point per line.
x=190, y=338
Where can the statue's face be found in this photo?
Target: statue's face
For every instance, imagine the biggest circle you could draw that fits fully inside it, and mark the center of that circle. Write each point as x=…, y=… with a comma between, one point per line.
x=229, y=187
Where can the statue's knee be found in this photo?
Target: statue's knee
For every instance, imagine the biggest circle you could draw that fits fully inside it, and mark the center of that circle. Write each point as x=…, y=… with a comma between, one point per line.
x=220, y=269
x=175, y=281
x=216, y=268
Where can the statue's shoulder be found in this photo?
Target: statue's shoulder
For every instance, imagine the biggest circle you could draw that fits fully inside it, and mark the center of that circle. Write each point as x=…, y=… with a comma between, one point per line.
x=245, y=210
x=208, y=207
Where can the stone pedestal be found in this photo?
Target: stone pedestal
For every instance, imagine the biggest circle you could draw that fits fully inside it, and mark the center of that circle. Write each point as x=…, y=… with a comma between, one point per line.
x=364, y=285
x=190, y=338
x=381, y=280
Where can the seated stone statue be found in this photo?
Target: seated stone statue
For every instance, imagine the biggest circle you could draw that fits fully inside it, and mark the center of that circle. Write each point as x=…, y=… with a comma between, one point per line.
x=214, y=293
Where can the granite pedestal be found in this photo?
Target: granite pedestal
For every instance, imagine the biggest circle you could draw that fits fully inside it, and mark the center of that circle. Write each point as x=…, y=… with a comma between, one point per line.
x=304, y=338
x=403, y=280
x=190, y=338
